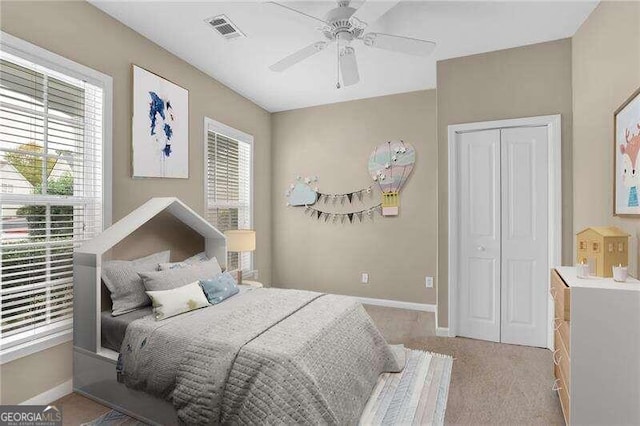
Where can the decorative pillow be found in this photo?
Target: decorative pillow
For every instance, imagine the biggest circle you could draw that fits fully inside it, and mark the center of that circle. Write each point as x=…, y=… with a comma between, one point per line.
x=122, y=279
x=173, y=278
x=179, y=300
x=195, y=259
x=219, y=288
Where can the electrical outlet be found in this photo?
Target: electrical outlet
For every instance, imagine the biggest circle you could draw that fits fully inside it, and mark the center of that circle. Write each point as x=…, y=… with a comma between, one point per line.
x=428, y=282
x=365, y=278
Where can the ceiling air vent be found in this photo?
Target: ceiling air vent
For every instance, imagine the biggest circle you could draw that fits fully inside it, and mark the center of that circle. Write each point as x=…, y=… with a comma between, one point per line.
x=223, y=26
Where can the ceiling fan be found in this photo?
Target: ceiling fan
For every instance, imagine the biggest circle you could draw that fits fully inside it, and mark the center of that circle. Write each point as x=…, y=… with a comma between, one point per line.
x=345, y=25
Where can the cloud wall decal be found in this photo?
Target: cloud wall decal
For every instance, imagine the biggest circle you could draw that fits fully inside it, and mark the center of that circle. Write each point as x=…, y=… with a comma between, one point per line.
x=302, y=195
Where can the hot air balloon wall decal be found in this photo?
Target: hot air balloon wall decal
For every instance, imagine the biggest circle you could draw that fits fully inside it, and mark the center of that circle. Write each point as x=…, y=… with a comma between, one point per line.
x=390, y=165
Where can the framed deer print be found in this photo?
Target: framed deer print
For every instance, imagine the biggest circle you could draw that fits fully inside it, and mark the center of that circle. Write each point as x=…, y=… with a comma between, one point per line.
x=626, y=128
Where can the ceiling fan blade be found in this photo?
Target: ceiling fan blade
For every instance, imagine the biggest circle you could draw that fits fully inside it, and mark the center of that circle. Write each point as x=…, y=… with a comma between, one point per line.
x=298, y=56
x=370, y=12
x=408, y=45
x=349, y=66
x=290, y=9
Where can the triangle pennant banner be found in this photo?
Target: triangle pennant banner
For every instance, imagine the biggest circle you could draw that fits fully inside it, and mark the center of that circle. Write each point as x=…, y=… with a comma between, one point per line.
x=326, y=216
x=318, y=213
x=360, y=196
x=359, y=216
x=342, y=199
x=350, y=196
x=350, y=215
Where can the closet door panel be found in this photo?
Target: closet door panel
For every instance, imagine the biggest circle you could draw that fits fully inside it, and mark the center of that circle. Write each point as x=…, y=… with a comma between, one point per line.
x=479, y=235
x=524, y=189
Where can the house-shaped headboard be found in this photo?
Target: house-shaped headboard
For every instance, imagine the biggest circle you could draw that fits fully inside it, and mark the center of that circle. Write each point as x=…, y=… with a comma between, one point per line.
x=87, y=261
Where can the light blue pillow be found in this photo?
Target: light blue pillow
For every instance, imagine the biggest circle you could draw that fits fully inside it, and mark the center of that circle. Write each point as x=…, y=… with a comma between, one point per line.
x=219, y=288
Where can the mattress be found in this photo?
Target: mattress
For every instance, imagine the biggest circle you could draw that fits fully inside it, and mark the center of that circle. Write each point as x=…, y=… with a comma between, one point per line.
x=114, y=328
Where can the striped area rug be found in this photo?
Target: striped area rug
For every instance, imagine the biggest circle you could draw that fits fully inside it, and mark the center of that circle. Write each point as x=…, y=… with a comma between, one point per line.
x=415, y=396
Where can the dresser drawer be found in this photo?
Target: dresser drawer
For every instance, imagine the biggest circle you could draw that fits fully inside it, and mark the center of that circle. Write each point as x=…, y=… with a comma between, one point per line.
x=562, y=327
x=562, y=360
x=563, y=394
x=561, y=294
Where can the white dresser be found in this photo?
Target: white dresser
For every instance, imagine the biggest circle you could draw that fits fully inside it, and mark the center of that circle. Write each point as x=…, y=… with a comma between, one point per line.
x=597, y=348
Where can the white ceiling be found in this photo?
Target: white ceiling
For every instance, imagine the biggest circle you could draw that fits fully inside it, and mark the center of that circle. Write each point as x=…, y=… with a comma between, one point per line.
x=459, y=29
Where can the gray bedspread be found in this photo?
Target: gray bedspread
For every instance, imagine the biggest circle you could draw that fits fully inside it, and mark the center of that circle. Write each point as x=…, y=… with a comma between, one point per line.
x=269, y=356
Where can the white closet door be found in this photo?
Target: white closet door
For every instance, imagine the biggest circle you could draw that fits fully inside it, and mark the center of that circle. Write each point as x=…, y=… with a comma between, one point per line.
x=524, y=236
x=479, y=234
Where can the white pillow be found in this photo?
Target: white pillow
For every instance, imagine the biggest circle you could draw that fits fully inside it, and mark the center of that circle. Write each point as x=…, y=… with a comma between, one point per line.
x=168, y=303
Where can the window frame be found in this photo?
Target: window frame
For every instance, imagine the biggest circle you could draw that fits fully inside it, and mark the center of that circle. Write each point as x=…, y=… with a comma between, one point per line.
x=211, y=125
x=63, y=332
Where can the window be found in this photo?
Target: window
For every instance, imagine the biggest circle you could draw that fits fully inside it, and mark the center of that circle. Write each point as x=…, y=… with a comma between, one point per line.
x=228, y=183
x=51, y=197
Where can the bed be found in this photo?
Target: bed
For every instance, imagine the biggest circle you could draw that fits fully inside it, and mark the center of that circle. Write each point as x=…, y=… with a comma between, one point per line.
x=262, y=356
x=266, y=356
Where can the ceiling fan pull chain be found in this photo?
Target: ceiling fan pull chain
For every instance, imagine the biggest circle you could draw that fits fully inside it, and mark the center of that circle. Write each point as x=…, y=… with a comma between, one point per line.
x=338, y=64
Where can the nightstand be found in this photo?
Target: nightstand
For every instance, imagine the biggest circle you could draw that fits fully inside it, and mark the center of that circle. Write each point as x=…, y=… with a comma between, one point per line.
x=255, y=284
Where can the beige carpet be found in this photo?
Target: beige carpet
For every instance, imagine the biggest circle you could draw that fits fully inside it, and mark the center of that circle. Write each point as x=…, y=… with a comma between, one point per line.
x=491, y=383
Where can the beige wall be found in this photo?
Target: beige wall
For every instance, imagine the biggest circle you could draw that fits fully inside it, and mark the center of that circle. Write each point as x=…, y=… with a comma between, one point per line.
x=334, y=143
x=521, y=82
x=82, y=33
x=606, y=71
x=29, y=376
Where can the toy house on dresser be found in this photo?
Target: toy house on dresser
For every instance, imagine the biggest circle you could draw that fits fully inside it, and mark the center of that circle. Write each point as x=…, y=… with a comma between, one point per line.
x=602, y=248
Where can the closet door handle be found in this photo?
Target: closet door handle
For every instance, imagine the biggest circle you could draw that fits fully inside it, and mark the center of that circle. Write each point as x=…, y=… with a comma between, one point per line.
x=481, y=248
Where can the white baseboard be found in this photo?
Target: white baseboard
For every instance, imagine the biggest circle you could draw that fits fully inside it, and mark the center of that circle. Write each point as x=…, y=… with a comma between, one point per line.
x=51, y=395
x=442, y=332
x=397, y=304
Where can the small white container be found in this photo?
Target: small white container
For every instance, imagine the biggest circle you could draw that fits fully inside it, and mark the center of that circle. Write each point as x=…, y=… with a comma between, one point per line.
x=620, y=273
x=582, y=270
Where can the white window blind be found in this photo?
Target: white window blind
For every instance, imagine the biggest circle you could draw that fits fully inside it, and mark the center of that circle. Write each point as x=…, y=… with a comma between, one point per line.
x=50, y=193
x=228, y=188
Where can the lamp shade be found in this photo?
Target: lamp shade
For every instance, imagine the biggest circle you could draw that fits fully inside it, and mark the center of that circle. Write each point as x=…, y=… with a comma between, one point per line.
x=240, y=240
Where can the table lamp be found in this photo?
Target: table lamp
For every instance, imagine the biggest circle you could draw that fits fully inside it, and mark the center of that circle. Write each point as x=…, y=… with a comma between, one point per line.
x=239, y=241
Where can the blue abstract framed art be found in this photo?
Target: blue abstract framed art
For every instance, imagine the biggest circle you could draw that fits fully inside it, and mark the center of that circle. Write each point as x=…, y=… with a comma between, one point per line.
x=160, y=127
